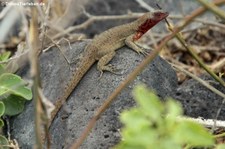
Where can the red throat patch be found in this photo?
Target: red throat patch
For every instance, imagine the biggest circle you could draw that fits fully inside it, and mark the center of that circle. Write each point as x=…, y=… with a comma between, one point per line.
x=143, y=28
x=149, y=23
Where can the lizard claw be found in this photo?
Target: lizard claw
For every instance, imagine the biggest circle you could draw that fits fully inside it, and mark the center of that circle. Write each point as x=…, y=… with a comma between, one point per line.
x=143, y=52
x=101, y=73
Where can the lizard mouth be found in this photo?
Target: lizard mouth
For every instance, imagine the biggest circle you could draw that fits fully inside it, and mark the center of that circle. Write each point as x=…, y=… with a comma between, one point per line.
x=158, y=16
x=164, y=15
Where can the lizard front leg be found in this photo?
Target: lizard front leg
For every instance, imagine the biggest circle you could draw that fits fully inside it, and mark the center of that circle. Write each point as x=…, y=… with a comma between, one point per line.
x=129, y=41
x=104, y=60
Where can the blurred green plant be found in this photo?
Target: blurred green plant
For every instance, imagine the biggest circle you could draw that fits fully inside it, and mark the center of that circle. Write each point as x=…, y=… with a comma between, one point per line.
x=13, y=94
x=155, y=125
x=220, y=146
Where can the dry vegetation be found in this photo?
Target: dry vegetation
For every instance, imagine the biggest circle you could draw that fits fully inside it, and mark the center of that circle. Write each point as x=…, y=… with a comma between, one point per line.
x=208, y=43
x=55, y=25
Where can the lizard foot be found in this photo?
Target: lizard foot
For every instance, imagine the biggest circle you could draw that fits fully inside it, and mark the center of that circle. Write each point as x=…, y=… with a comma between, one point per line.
x=142, y=51
x=111, y=68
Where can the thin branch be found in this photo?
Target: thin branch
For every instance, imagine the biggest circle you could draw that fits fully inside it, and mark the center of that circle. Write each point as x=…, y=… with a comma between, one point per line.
x=218, y=65
x=15, y=57
x=144, y=5
x=204, y=21
x=196, y=57
x=58, y=46
x=204, y=83
x=219, y=135
x=187, y=20
x=33, y=44
x=205, y=122
x=92, y=19
x=216, y=10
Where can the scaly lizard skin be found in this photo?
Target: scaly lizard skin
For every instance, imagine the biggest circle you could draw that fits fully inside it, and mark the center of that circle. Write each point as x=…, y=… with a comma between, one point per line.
x=103, y=49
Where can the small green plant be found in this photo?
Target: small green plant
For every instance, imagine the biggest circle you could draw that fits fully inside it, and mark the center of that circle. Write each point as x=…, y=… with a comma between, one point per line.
x=155, y=125
x=13, y=94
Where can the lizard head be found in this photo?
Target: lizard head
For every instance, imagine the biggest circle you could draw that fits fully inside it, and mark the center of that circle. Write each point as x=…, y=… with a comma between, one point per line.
x=148, y=20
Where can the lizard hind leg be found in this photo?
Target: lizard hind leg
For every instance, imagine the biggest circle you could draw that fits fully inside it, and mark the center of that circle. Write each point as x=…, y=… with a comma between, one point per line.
x=104, y=60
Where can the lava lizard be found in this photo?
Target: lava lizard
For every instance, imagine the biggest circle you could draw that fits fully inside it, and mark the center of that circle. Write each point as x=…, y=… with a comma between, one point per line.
x=103, y=47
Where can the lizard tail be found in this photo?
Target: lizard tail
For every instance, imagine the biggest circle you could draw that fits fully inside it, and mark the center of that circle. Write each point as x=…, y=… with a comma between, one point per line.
x=83, y=66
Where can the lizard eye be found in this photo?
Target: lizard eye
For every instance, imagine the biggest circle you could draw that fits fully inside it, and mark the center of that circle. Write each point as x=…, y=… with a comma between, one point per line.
x=158, y=14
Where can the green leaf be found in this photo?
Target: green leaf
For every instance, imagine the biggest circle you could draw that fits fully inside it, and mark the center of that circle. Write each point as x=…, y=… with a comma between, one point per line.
x=134, y=119
x=3, y=142
x=220, y=146
x=149, y=102
x=5, y=56
x=167, y=143
x=188, y=132
x=1, y=123
x=2, y=108
x=2, y=69
x=173, y=108
x=13, y=105
x=145, y=137
x=152, y=124
x=13, y=84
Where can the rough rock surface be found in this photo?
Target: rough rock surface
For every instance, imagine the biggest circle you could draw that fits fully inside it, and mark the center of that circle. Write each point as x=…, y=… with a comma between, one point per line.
x=198, y=101
x=89, y=95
